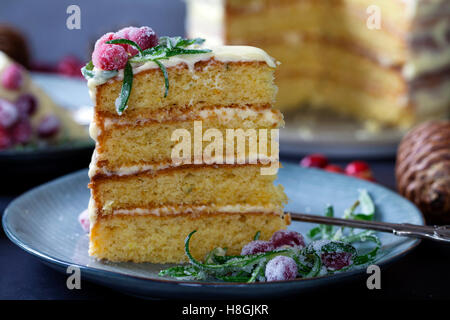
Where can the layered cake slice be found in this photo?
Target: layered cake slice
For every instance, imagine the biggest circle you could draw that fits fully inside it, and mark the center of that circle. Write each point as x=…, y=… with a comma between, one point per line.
x=186, y=139
x=386, y=61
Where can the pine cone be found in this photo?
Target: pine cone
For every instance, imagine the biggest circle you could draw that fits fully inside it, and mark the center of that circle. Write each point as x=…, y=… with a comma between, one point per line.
x=423, y=169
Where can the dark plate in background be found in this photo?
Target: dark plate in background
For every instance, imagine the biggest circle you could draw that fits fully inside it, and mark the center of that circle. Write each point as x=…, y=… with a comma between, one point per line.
x=23, y=169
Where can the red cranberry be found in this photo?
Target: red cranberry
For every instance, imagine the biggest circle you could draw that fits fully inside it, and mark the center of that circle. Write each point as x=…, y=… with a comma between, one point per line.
x=336, y=260
x=103, y=39
x=334, y=168
x=145, y=37
x=12, y=77
x=314, y=161
x=281, y=268
x=365, y=175
x=8, y=114
x=359, y=169
x=70, y=66
x=256, y=246
x=109, y=57
x=49, y=126
x=83, y=218
x=5, y=139
x=287, y=238
x=21, y=133
x=26, y=104
x=355, y=167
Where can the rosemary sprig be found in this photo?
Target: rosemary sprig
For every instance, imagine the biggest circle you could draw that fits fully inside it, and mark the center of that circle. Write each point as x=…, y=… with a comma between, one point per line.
x=251, y=268
x=167, y=47
x=126, y=89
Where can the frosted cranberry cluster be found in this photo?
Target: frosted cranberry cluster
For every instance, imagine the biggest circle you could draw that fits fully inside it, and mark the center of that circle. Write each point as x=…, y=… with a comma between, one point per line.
x=357, y=168
x=15, y=117
x=115, y=56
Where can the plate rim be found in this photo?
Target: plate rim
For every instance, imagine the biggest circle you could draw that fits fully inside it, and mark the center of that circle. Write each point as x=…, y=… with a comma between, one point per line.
x=92, y=271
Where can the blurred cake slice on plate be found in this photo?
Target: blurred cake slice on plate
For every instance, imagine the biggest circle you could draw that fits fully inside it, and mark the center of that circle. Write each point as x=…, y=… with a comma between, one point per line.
x=28, y=116
x=387, y=62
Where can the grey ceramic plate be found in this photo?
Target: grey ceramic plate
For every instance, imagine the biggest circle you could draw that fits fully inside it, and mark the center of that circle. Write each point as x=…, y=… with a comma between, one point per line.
x=44, y=223
x=311, y=131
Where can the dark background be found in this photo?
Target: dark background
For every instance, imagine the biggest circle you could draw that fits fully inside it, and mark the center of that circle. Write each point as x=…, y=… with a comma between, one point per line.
x=44, y=22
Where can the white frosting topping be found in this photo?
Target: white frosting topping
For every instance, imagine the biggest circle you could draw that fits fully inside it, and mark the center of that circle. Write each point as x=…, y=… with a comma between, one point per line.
x=219, y=53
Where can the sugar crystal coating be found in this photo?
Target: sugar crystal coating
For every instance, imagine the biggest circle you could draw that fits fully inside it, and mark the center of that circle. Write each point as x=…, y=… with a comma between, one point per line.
x=257, y=246
x=110, y=57
x=336, y=260
x=83, y=218
x=12, y=77
x=287, y=238
x=49, y=126
x=8, y=114
x=281, y=268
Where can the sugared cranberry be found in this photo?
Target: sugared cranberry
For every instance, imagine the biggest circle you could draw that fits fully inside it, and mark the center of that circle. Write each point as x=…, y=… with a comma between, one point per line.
x=359, y=169
x=314, y=161
x=334, y=168
x=26, y=105
x=83, y=218
x=70, y=66
x=103, y=39
x=110, y=57
x=145, y=37
x=5, y=139
x=257, y=246
x=12, y=77
x=281, y=268
x=21, y=132
x=336, y=260
x=287, y=238
x=8, y=114
x=49, y=126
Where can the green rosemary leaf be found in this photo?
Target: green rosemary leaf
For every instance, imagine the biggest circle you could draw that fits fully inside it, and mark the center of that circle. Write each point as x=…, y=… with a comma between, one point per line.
x=165, y=75
x=126, y=41
x=127, y=84
x=257, y=235
x=181, y=51
x=317, y=265
x=257, y=271
x=367, y=205
x=314, y=232
x=188, y=42
x=86, y=71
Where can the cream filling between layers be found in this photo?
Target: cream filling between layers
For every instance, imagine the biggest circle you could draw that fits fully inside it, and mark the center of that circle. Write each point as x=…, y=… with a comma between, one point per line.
x=134, y=169
x=223, y=114
x=174, y=210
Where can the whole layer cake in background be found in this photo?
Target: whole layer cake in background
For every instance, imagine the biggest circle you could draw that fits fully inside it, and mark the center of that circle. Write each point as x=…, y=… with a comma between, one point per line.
x=143, y=204
x=28, y=116
x=395, y=75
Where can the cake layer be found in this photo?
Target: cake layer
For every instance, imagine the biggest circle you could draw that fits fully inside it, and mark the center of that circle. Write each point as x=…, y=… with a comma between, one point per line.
x=124, y=144
x=205, y=83
x=161, y=239
x=188, y=185
x=326, y=93
x=343, y=62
